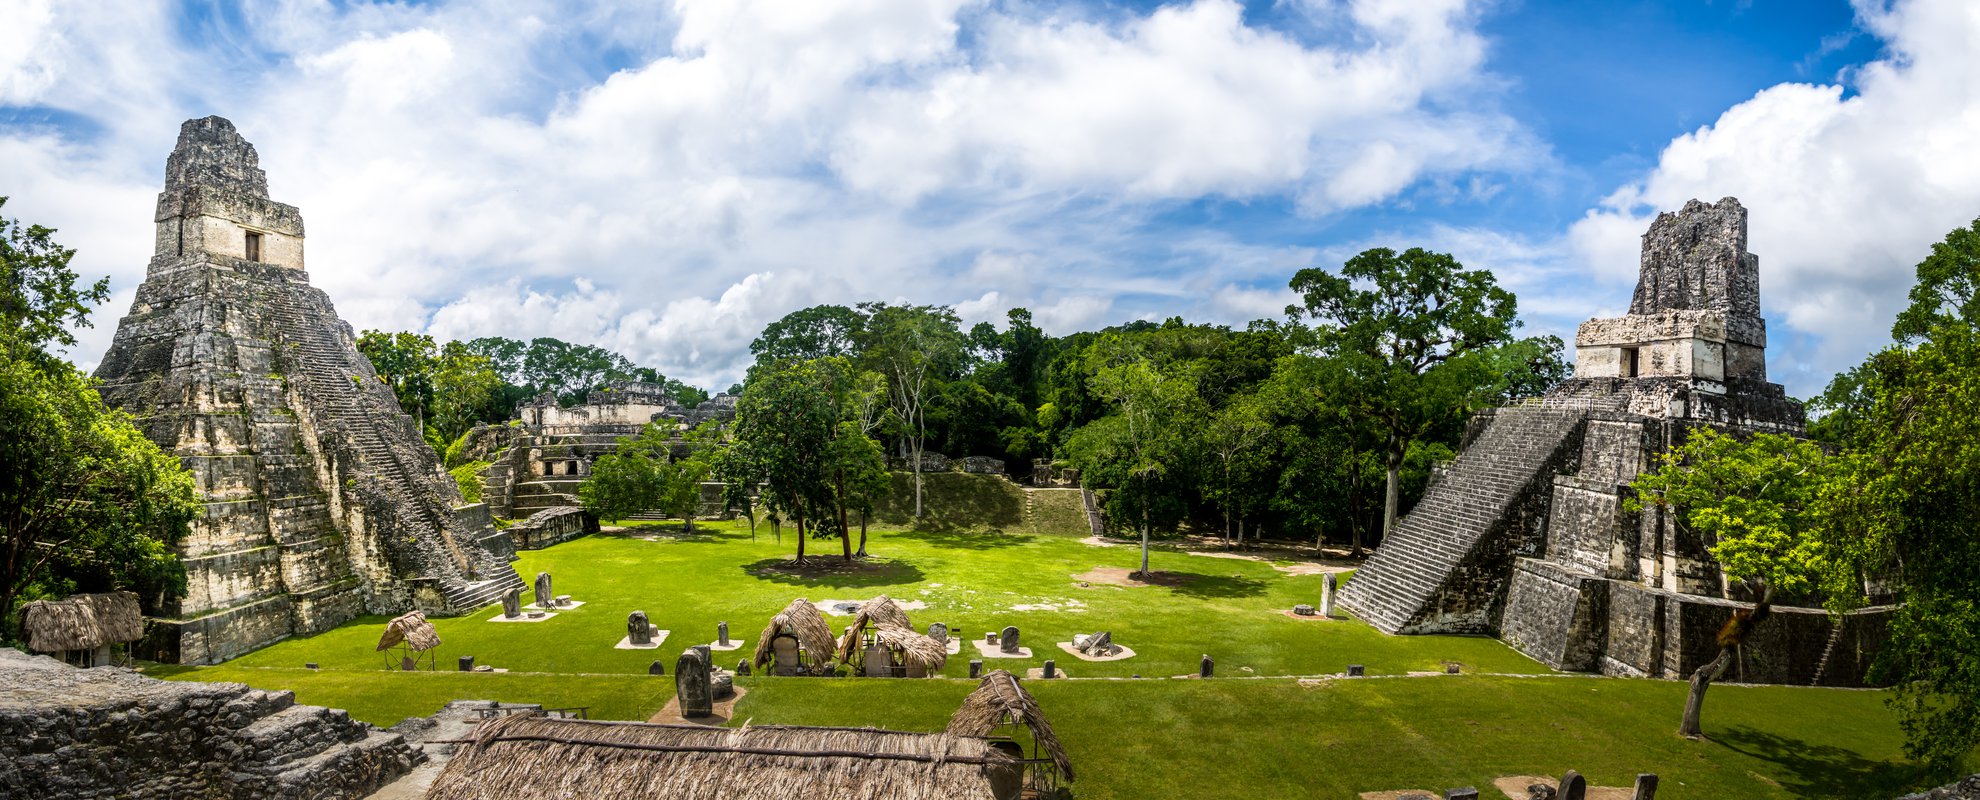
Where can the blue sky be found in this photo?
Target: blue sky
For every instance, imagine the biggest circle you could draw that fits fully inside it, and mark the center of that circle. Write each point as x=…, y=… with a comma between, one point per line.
x=666, y=181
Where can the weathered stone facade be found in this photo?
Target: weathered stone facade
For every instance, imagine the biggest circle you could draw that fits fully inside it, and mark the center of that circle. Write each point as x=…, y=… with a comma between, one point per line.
x=322, y=502
x=1526, y=535
x=552, y=526
x=107, y=732
x=543, y=455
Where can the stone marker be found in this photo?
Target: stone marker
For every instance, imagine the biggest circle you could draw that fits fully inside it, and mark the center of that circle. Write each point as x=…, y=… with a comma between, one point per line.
x=1539, y=791
x=976, y=668
x=1462, y=793
x=408, y=664
x=1646, y=786
x=742, y=667
x=989, y=637
x=1327, y=584
x=722, y=633
x=536, y=614
x=1303, y=610
x=563, y=600
x=512, y=603
x=707, y=654
x=1008, y=642
x=467, y=663
x=1452, y=669
x=1354, y=670
x=309, y=665
x=1208, y=667
x=638, y=630
x=692, y=683
x=656, y=668
x=1573, y=786
x=939, y=632
x=544, y=597
x=1051, y=669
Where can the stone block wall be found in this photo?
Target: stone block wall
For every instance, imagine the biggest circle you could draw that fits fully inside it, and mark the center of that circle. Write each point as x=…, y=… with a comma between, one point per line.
x=551, y=526
x=108, y=732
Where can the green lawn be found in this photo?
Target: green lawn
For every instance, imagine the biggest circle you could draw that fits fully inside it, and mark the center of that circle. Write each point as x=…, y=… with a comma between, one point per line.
x=1239, y=735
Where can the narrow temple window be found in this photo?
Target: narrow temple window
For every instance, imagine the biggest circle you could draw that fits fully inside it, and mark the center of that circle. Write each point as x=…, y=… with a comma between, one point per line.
x=1629, y=362
x=253, y=246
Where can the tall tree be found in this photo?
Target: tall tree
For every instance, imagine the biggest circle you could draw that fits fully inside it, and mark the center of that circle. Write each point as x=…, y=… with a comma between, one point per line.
x=1410, y=326
x=1948, y=287
x=404, y=361
x=1147, y=440
x=823, y=331
x=785, y=423
x=87, y=502
x=463, y=385
x=1758, y=501
x=914, y=347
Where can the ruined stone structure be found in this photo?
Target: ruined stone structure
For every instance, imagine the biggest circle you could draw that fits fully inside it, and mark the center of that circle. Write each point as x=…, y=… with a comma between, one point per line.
x=541, y=457
x=322, y=502
x=1525, y=535
x=109, y=732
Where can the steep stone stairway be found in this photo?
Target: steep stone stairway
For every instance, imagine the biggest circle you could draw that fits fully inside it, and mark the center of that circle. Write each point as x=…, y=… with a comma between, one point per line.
x=1398, y=586
x=472, y=577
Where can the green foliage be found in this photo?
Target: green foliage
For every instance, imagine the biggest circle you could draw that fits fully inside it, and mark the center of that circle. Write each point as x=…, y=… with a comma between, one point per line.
x=825, y=331
x=87, y=502
x=1948, y=287
x=642, y=474
x=1757, y=501
x=39, y=300
x=1415, y=333
x=468, y=477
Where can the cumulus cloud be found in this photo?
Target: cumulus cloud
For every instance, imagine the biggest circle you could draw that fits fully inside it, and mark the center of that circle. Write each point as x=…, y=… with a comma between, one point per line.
x=480, y=169
x=1846, y=190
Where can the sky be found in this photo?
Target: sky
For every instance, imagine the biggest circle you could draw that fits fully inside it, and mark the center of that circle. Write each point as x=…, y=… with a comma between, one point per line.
x=664, y=179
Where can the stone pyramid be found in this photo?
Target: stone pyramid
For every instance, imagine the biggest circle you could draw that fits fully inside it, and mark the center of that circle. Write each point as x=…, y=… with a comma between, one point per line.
x=322, y=500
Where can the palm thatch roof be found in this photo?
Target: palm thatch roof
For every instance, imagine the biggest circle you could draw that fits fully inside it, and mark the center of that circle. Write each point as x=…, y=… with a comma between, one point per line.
x=882, y=609
x=527, y=756
x=82, y=622
x=1000, y=701
x=413, y=630
x=915, y=649
x=804, y=621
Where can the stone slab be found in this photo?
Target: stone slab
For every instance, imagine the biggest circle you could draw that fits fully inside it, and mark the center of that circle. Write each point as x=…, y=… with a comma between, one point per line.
x=523, y=618
x=659, y=638
x=1125, y=653
x=1038, y=673
x=734, y=644
x=566, y=607
x=993, y=651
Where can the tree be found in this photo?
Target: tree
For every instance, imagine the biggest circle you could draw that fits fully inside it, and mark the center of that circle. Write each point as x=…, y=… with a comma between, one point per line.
x=785, y=424
x=87, y=502
x=404, y=361
x=1235, y=434
x=1758, y=502
x=914, y=347
x=824, y=331
x=1146, y=440
x=1948, y=287
x=463, y=384
x=633, y=478
x=1411, y=338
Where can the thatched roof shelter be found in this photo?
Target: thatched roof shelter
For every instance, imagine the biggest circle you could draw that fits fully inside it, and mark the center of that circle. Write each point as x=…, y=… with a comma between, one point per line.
x=916, y=650
x=1000, y=701
x=882, y=609
x=82, y=622
x=527, y=756
x=804, y=621
x=411, y=630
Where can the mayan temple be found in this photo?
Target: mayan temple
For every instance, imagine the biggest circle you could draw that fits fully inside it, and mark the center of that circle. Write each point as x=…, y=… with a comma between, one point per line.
x=1525, y=535
x=322, y=500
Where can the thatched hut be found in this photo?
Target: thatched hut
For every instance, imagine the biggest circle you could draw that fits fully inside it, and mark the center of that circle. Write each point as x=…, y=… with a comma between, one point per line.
x=83, y=629
x=892, y=651
x=526, y=756
x=797, y=642
x=882, y=609
x=411, y=640
x=1001, y=710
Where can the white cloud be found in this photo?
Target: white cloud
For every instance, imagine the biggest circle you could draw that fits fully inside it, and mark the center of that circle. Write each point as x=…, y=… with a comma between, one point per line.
x=1845, y=194
x=463, y=165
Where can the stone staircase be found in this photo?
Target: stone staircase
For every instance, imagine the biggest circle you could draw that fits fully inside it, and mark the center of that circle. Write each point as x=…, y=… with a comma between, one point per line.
x=470, y=577
x=1094, y=521
x=1400, y=589
x=313, y=752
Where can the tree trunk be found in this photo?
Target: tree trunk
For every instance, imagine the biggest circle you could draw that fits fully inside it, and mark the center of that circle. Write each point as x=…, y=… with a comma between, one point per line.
x=1144, y=542
x=1695, y=702
x=845, y=530
x=800, y=527
x=862, y=534
x=916, y=466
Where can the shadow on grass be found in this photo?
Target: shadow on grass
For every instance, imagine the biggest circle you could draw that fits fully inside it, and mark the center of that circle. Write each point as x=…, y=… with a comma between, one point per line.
x=1817, y=770
x=676, y=531
x=834, y=571
x=968, y=540
x=1206, y=586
